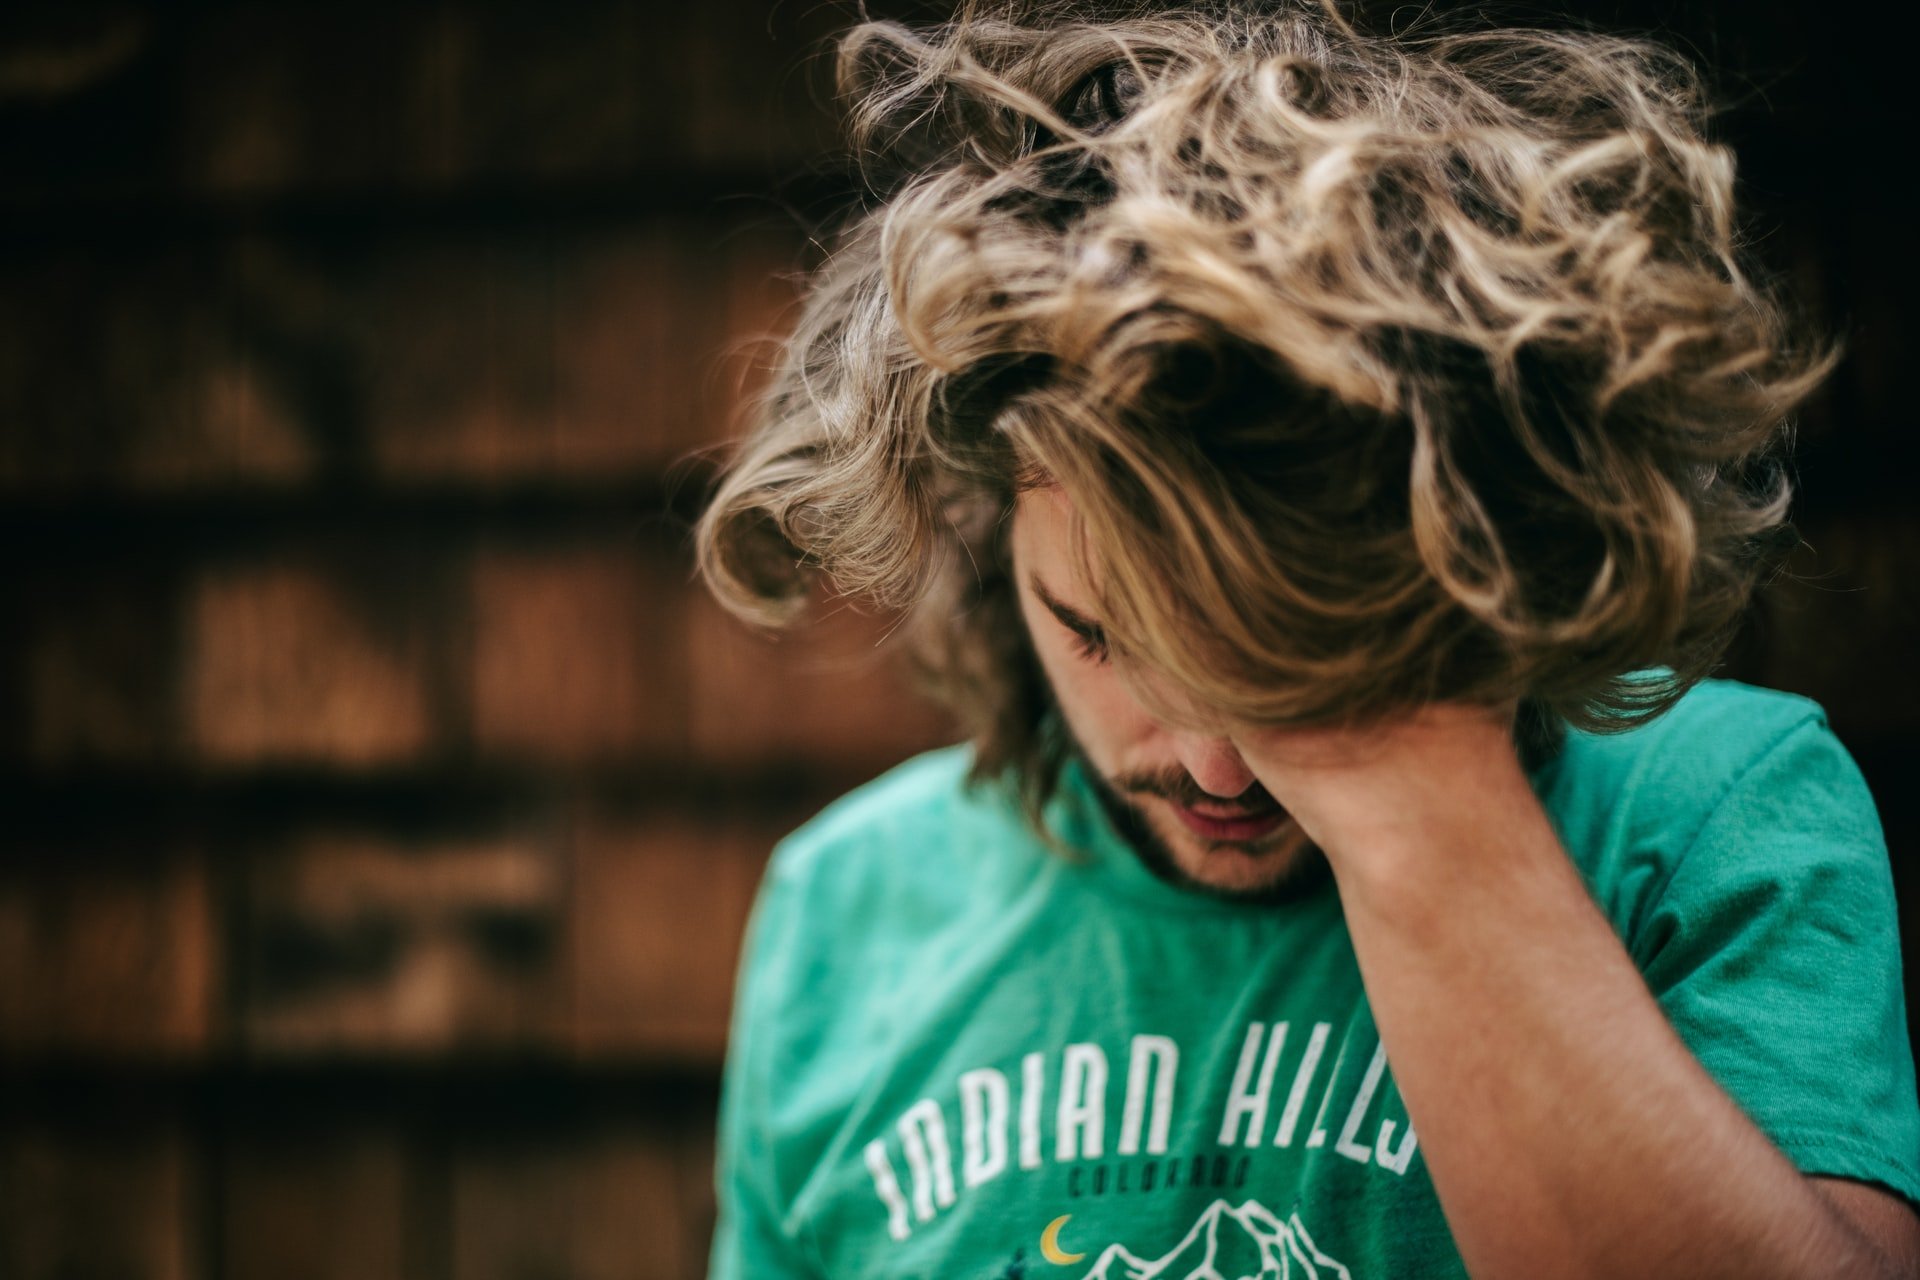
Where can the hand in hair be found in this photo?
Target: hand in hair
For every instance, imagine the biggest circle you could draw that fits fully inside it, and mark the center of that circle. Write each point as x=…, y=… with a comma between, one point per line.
x=1369, y=791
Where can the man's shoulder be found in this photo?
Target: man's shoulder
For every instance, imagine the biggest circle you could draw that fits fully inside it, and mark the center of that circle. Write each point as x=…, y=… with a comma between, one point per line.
x=870, y=884
x=910, y=823
x=921, y=790
x=1749, y=710
x=1714, y=733
x=926, y=794
x=1758, y=766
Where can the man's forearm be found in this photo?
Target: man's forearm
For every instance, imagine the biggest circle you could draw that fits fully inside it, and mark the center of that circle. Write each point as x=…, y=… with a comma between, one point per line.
x=1567, y=1128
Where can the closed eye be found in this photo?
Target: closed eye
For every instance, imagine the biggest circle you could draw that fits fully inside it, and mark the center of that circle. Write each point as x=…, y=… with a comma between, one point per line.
x=1091, y=644
x=1090, y=638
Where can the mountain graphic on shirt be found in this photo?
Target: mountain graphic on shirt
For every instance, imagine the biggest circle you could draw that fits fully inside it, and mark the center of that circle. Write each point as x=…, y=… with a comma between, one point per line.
x=1229, y=1243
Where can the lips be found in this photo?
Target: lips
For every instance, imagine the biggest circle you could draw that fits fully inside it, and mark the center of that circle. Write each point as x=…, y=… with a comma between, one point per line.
x=1231, y=824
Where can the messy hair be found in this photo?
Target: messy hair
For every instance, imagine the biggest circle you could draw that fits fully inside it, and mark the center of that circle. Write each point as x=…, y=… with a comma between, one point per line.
x=1378, y=369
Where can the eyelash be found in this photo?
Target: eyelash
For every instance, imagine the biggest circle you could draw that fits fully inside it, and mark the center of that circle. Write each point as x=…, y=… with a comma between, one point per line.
x=1091, y=645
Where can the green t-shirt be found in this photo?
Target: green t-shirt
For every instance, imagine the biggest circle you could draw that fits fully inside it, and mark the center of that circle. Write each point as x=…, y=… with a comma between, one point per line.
x=958, y=1053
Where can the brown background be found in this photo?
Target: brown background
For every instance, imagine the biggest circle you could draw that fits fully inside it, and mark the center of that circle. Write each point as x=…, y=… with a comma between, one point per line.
x=382, y=800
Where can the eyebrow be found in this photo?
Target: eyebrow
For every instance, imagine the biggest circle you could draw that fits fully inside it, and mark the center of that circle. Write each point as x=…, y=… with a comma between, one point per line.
x=1072, y=619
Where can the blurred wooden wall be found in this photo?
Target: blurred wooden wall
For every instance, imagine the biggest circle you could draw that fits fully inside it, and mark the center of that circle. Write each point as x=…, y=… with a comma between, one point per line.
x=382, y=799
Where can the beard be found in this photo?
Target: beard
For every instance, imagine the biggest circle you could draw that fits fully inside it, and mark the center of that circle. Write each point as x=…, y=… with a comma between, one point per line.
x=1297, y=867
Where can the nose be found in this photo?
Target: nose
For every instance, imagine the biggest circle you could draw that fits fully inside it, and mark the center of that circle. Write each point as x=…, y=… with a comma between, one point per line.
x=1214, y=763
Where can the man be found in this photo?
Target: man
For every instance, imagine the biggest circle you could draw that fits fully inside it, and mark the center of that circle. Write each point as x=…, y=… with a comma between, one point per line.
x=1322, y=469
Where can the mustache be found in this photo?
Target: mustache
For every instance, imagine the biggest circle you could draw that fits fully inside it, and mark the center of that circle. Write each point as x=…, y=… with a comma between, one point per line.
x=1178, y=786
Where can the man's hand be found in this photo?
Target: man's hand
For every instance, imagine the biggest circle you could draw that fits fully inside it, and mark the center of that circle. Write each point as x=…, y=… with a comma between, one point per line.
x=1367, y=792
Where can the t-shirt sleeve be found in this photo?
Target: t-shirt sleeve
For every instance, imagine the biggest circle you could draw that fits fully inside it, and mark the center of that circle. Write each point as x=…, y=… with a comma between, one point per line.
x=752, y=1237
x=1775, y=952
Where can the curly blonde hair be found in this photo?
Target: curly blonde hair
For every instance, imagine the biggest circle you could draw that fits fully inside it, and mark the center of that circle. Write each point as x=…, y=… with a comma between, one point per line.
x=1379, y=369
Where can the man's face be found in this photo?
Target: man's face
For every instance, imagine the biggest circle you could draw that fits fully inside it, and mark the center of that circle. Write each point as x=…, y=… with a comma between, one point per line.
x=1187, y=801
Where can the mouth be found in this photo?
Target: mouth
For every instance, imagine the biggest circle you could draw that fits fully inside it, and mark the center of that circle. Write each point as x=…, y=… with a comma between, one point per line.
x=1229, y=823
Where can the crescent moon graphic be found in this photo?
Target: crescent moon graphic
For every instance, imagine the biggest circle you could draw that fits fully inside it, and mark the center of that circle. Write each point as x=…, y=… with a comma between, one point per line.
x=1050, y=1243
